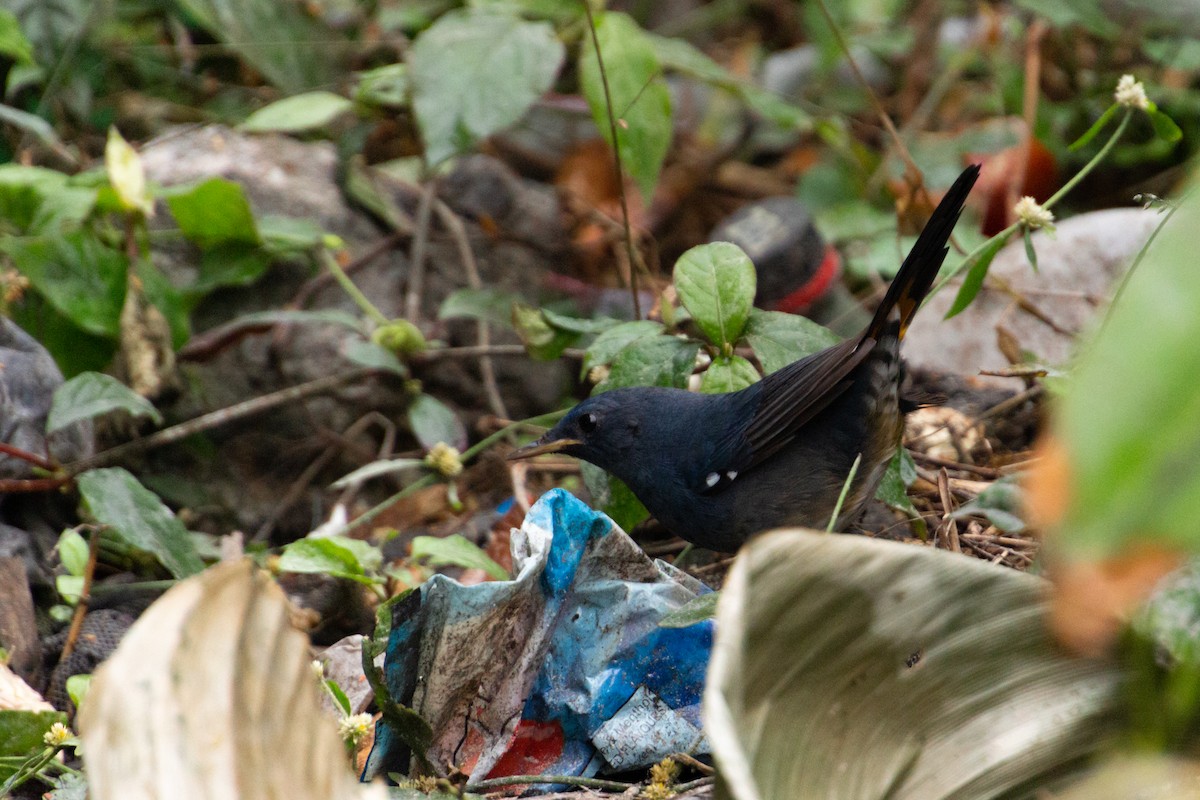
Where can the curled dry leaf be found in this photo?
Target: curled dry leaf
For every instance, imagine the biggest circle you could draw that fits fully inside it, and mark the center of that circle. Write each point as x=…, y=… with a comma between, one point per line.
x=211, y=694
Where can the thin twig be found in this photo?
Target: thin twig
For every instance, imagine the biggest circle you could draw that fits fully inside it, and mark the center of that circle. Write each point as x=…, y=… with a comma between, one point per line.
x=214, y=419
x=25, y=455
x=985, y=472
x=416, y=259
x=81, y=607
x=950, y=524
x=487, y=369
x=616, y=147
x=569, y=780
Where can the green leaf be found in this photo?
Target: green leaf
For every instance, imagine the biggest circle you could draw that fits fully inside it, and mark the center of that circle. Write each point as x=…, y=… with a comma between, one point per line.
x=692, y=612
x=728, y=374
x=1030, y=253
x=116, y=499
x=375, y=469
x=543, y=341
x=335, y=556
x=73, y=551
x=570, y=324
x=228, y=265
x=491, y=305
x=641, y=103
x=778, y=339
x=163, y=295
x=1164, y=126
x=716, y=284
x=91, y=394
x=69, y=588
x=284, y=42
x=339, y=696
x=21, y=735
x=613, y=497
x=680, y=56
x=301, y=112
x=13, y=43
x=976, y=274
x=432, y=422
x=904, y=665
x=214, y=212
x=606, y=346
x=654, y=361
x=77, y=688
x=126, y=175
x=385, y=87
x=893, y=488
x=457, y=551
x=285, y=236
x=30, y=123
x=1130, y=418
x=1097, y=126
x=1002, y=503
x=370, y=355
x=80, y=277
x=475, y=72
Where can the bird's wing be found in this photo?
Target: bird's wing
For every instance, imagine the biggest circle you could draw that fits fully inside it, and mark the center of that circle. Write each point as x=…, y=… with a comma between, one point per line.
x=787, y=400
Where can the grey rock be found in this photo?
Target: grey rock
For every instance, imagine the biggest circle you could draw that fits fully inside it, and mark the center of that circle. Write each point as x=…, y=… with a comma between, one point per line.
x=28, y=378
x=1077, y=266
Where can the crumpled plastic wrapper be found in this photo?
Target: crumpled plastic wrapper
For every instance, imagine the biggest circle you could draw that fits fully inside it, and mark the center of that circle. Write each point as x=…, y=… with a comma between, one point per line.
x=563, y=670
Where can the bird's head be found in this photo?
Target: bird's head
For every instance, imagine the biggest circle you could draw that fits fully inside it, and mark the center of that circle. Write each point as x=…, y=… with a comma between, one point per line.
x=599, y=430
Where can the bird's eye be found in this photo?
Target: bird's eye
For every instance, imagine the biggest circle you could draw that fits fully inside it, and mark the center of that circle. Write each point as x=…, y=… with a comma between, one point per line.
x=587, y=423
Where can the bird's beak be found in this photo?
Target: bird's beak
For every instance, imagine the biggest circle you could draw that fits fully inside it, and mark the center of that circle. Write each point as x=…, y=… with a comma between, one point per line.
x=541, y=447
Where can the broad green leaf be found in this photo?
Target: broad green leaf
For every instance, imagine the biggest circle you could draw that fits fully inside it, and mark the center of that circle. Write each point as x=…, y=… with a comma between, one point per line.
x=387, y=86
x=30, y=123
x=893, y=488
x=613, y=497
x=375, y=469
x=903, y=665
x=77, y=688
x=677, y=54
x=475, y=72
x=544, y=341
x=606, y=346
x=13, y=43
x=335, y=556
x=170, y=301
x=91, y=394
x=492, y=305
x=301, y=112
x=1164, y=126
x=1171, y=617
x=370, y=355
x=214, y=212
x=80, y=277
x=456, y=550
x=1002, y=503
x=21, y=735
x=432, y=422
x=282, y=235
x=641, y=103
x=654, y=361
x=69, y=588
x=728, y=374
x=116, y=499
x=716, y=284
x=1130, y=417
x=228, y=265
x=126, y=175
x=565, y=322
x=973, y=282
x=74, y=349
x=283, y=41
x=697, y=610
x=778, y=339
x=73, y=551
x=1180, y=52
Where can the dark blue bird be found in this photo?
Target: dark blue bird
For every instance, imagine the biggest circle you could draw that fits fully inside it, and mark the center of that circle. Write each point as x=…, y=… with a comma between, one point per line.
x=717, y=469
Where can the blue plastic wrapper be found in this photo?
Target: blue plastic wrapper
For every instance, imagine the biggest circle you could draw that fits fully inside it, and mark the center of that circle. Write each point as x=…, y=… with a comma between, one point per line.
x=563, y=670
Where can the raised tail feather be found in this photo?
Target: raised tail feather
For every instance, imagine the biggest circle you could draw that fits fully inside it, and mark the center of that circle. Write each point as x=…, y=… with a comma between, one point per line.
x=916, y=274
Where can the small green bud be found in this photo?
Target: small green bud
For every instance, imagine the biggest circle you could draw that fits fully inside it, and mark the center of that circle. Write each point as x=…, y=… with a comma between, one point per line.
x=400, y=336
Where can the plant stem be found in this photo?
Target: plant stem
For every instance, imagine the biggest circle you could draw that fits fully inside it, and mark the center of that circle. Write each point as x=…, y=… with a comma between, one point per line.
x=616, y=146
x=1068, y=186
x=570, y=780
x=837, y=509
x=349, y=288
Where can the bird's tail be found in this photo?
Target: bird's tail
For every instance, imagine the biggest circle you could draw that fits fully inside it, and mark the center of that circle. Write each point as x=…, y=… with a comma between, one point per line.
x=925, y=259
